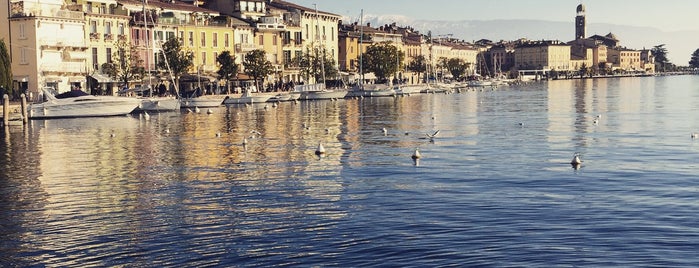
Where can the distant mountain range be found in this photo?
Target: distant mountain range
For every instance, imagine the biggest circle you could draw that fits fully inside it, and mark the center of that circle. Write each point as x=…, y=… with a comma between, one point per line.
x=680, y=44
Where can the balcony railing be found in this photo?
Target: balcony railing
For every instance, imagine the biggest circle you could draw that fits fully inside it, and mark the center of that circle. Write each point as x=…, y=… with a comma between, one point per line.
x=64, y=67
x=51, y=42
x=243, y=48
x=108, y=37
x=94, y=36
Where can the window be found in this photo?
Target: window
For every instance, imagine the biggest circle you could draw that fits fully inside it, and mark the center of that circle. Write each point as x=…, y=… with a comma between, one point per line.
x=307, y=31
x=108, y=27
x=22, y=34
x=89, y=7
x=109, y=55
x=95, y=61
x=170, y=35
x=121, y=28
x=181, y=35
x=203, y=39
x=93, y=26
x=262, y=40
x=191, y=39
x=332, y=33
x=324, y=33
x=23, y=55
x=274, y=40
x=215, y=56
x=226, y=42
x=203, y=58
x=215, y=39
x=298, y=38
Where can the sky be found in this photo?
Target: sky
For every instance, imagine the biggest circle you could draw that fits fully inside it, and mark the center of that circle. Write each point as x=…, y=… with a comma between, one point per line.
x=667, y=15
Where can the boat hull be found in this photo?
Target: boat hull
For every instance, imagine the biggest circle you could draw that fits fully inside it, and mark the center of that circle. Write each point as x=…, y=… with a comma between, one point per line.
x=247, y=98
x=159, y=104
x=202, y=102
x=87, y=106
x=323, y=95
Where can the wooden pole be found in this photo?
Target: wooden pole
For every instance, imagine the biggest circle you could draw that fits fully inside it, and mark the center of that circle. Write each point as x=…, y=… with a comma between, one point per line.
x=5, y=110
x=25, y=119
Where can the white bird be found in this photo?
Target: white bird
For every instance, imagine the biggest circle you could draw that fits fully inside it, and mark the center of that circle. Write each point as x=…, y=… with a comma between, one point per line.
x=385, y=132
x=599, y=116
x=432, y=135
x=189, y=111
x=320, y=150
x=146, y=116
x=695, y=135
x=521, y=124
x=576, y=159
x=595, y=122
x=197, y=110
x=416, y=154
x=266, y=106
x=112, y=135
x=209, y=111
x=167, y=130
x=255, y=132
x=274, y=105
x=245, y=142
x=218, y=134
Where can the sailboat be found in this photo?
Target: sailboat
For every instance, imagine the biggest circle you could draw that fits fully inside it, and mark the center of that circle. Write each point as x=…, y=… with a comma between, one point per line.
x=318, y=91
x=152, y=103
x=362, y=90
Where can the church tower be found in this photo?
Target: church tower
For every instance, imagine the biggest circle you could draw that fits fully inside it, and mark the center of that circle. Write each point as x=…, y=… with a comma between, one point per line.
x=580, y=22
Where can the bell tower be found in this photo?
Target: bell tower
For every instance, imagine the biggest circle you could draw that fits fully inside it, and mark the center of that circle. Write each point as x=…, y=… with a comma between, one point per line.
x=580, y=22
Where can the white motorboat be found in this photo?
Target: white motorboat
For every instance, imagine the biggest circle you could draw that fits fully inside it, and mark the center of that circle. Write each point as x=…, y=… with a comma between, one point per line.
x=319, y=92
x=372, y=90
x=80, y=104
x=285, y=96
x=159, y=104
x=248, y=98
x=409, y=89
x=202, y=101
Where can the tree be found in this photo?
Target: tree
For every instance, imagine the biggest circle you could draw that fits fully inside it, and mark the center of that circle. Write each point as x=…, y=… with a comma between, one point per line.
x=694, y=61
x=176, y=61
x=457, y=67
x=383, y=59
x=418, y=65
x=584, y=70
x=228, y=69
x=660, y=54
x=317, y=65
x=257, y=65
x=126, y=65
x=5, y=69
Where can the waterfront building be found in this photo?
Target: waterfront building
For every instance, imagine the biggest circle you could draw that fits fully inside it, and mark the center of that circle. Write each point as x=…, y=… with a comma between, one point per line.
x=543, y=55
x=107, y=23
x=47, y=45
x=580, y=27
x=624, y=59
x=501, y=57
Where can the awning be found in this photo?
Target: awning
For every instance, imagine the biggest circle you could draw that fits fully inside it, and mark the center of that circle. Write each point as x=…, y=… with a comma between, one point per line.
x=77, y=79
x=242, y=77
x=102, y=78
x=369, y=76
x=20, y=78
x=195, y=78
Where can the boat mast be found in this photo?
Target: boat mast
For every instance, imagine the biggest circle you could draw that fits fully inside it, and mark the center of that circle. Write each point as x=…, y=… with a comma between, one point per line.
x=361, y=52
x=145, y=25
x=322, y=61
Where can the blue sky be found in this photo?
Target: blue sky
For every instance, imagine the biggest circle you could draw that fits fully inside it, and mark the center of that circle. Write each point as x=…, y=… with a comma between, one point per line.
x=668, y=15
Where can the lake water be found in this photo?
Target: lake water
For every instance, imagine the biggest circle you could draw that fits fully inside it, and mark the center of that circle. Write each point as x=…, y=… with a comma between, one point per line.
x=494, y=188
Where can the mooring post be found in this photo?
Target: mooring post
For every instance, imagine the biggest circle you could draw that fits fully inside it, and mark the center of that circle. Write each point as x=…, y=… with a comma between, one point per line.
x=5, y=110
x=24, y=109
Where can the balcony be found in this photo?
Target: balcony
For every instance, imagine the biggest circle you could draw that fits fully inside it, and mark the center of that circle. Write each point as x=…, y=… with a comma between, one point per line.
x=271, y=26
x=94, y=36
x=121, y=37
x=244, y=48
x=63, y=67
x=108, y=37
x=61, y=43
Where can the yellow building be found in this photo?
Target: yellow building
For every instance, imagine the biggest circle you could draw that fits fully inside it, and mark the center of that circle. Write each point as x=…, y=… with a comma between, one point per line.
x=624, y=59
x=107, y=23
x=543, y=55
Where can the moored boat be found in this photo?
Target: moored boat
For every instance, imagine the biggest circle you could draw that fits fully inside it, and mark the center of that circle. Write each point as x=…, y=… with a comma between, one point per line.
x=80, y=104
x=247, y=98
x=319, y=92
x=202, y=101
x=159, y=104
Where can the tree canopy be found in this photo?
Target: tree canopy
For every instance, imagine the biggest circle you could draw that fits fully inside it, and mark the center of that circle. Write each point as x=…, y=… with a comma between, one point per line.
x=457, y=67
x=383, y=59
x=257, y=66
x=228, y=69
x=418, y=65
x=313, y=65
x=126, y=65
x=694, y=61
x=175, y=60
x=660, y=54
x=5, y=69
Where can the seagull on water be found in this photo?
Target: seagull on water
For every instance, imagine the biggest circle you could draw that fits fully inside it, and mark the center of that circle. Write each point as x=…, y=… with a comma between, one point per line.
x=209, y=111
x=146, y=116
x=320, y=150
x=576, y=159
x=385, y=131
x=695, y=135
x=416, y=154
